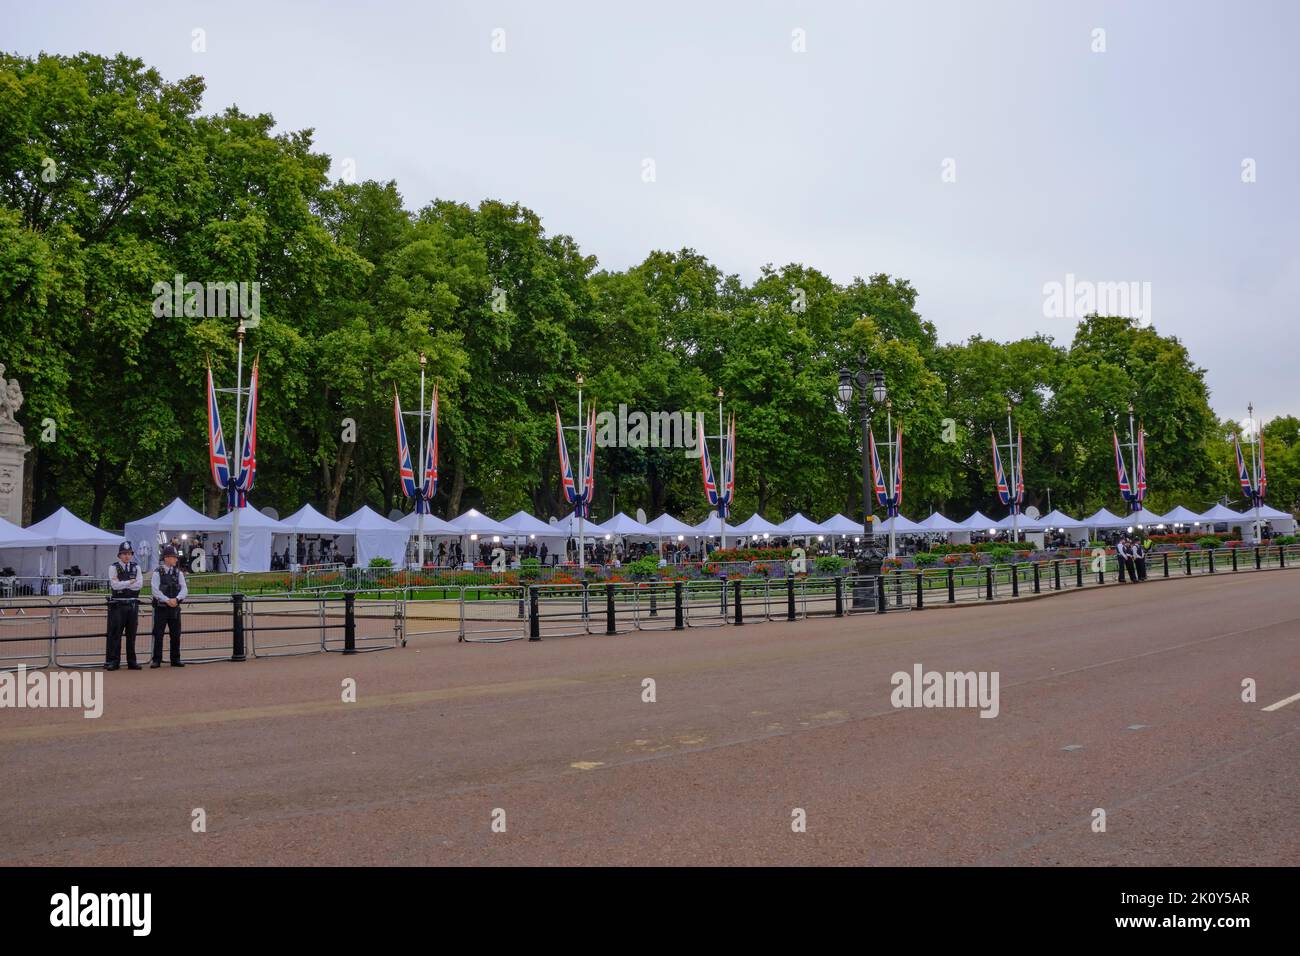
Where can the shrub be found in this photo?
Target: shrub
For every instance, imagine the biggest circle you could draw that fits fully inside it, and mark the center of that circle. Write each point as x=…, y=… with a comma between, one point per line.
x=530, y=569
x=829, y=564
x=1286, y=539
x=380, y=563
x=953, y=559
x=1208, y=541
x=642, y=567
x=926, y=559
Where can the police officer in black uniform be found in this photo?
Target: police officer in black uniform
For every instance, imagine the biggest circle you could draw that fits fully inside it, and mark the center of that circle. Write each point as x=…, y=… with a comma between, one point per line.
x=124, y=582
x=169, y=590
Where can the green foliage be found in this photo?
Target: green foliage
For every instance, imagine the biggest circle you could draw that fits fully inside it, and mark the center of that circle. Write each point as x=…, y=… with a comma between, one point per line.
x=355, y=286
x=925, y=559
x=829, y=564
x=642, y=567
x=380, y=563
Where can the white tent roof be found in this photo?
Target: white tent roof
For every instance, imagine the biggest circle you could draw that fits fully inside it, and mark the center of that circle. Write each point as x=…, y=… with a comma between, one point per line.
x=1219, y=514
x=567, y=527
x=522, y=523
x=1181, y=515
x=666, y=525
x=1269, y=512
x=433, y=525
x=1026, y=523
x=838, y=524
x=902, y=525
x=708, y=528
x=756, y=524
x=1059, y=519
x=65, y=528
x=12, y=536
x=176, y=516
x=475, y=522
x=1144, y=518
x=251, y=518
x=1102, y=518
x=366, y=518
x=798, y=525
x=623, y=526
x=939, y=524
x=307, y=520
x=978, y=522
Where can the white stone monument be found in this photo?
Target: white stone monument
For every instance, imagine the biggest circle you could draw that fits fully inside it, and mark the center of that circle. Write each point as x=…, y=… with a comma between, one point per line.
x=13, y=451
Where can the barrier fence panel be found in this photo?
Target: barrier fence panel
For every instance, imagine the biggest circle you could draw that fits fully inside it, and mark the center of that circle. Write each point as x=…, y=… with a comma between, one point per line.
x=288, y=625
x=376, y=622
x=26, y=633
x=653, y=606
x=818, y=596
x=706, y=603
x=565, y=610
x=79, y=626
x=860, y=594
x=493, y=613
x=429, y=612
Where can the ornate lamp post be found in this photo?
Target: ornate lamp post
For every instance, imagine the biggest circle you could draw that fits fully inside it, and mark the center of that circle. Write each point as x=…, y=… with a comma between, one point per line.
x=870, y=388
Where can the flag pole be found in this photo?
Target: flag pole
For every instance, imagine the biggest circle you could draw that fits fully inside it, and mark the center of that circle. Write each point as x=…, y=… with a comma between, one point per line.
x=582, y=481
x=1013, y=480
x=720, y=476
x=1254, y=467
x=239, y=447
x=419, y=485
x=889, y=434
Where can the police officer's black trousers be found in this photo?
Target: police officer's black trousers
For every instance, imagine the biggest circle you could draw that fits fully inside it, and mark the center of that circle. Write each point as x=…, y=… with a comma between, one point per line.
x=1120, y=564
x=169, y=618
x=1132, y=569
x=1141, y=568
x=123, y=616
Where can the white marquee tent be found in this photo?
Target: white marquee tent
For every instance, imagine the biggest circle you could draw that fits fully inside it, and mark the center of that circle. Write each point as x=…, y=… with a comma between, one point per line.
x=1102, y=518
x=797, y=526
x=256, y=532
x=376, y=537
x=149, y=534
x=1181, y=515
x=65, y=541
x=624, y=527
x=755, y=526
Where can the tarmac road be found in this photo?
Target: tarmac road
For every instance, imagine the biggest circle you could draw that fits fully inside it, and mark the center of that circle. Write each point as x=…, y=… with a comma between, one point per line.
x=1143, y=684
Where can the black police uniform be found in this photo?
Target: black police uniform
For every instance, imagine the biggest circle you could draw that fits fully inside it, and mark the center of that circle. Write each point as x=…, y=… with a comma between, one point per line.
x=123, y=616
x=165, y=616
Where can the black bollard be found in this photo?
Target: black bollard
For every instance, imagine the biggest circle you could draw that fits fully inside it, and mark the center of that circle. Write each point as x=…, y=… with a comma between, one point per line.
x=610, y=627
x=678, y=622
x=237, y=627
x=349, y=622
x=534, y=622
x=740, y=614
x=839, y=596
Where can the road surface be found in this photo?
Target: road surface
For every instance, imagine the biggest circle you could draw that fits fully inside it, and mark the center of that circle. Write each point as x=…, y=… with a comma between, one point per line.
x=1124, y=699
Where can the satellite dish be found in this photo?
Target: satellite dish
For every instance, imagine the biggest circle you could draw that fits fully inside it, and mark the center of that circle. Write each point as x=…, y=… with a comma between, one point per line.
x=396, y=515
x=552, y=519
x=1032, y=513
x=640, y=515
x=713, y=515
x=271, y=513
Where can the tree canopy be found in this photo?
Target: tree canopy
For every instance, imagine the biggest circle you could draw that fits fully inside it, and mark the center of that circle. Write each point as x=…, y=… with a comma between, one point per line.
x=113, y=180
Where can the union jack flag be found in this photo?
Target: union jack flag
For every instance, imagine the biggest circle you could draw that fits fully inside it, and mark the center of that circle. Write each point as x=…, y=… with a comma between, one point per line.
x=405, y=470
x=429, y=474
x=1248, y=488
x=720, y=495
x=999, y=476
x=890, y=499
x=239, y=485
x=217, y=458
x=248, y=454
x=706, y=465
x=1133, y=492
x=580, y=499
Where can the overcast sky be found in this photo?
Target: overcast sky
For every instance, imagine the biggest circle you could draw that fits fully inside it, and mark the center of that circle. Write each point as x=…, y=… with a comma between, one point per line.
x=979, y=149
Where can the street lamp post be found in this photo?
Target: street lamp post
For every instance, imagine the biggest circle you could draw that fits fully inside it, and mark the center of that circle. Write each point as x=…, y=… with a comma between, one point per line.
x=870, y=388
